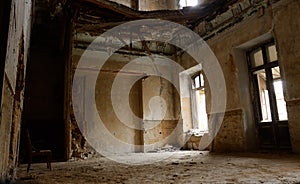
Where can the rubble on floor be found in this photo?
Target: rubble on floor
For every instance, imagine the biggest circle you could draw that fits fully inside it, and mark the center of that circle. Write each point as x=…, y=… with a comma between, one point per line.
x=80, y=149
x=196, y=132
x=181, y=167
x=165, y=148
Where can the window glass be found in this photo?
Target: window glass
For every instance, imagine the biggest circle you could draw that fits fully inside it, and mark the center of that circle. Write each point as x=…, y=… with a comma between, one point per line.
x=264, y=96
x=198, y=104
x=197, y=82
x=278, y=89
x=256, y=58
x=272, y=53
x=201, y=80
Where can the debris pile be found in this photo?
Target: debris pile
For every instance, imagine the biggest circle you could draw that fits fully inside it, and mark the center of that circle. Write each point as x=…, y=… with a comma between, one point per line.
x=165, y=148
x=196, y=132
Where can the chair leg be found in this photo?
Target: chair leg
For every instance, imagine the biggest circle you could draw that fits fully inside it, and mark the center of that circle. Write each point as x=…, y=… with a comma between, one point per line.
x=50, y=166
x=28, y=167
x=29, y=163
x=49, y=161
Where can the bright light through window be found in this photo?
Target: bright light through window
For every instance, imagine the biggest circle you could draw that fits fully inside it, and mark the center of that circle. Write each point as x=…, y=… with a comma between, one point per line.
x=184, y=3
x=281, y=105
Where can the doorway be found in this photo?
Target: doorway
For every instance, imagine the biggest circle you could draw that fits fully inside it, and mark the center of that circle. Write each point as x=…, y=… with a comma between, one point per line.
x=268, y=97
x=44, y=94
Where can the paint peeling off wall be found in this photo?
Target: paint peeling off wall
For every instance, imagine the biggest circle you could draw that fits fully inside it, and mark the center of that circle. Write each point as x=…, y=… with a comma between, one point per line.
x=13, y=90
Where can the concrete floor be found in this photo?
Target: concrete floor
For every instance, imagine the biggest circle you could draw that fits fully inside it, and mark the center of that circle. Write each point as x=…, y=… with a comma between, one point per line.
x=179, y=167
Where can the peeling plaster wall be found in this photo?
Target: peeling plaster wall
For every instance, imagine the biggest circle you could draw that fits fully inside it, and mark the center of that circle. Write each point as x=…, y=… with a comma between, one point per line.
x=286, y=30
x=230, y=34
x=160, y=113
x=154, y=126
x=229, y=40
x=115, y=126
x=13, y=86
x=122, y=131
x=232, y=135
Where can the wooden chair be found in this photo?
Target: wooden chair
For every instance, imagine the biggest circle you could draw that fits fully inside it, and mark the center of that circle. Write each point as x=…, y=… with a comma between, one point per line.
x=33, y=152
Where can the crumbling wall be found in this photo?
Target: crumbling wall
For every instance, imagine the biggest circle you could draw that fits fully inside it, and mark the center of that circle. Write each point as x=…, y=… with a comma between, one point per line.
x=246, y=24
x=122, y=131
x=79, y=146
x=193, y=142
x=160, y=113
x=286, y=15
x=237, y=129
x=13, y=86
x=251, y=22
x=156, y=128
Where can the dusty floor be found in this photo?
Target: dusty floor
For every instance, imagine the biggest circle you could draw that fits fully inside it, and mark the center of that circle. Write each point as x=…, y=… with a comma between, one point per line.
x=181, y=167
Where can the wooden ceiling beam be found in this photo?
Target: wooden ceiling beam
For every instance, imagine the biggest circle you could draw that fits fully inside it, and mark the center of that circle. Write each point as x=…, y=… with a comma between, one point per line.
x=121, y=14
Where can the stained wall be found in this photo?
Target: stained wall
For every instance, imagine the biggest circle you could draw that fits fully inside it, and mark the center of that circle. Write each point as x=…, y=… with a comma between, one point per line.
x=260, y=22
x=13, y=86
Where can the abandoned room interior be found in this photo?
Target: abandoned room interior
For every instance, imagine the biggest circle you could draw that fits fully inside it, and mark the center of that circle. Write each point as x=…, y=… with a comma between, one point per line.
x=150, y=91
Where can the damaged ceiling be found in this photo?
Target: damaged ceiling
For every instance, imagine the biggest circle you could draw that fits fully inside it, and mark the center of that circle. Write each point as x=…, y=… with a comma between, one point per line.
x=101, y=15
x=94, y=17
x=91, y=18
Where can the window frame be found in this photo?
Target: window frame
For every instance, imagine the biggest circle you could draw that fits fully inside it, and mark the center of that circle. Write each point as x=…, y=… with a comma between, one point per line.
x=267, y=67
x=273, y=133
x=201, y=86
x=194, y=104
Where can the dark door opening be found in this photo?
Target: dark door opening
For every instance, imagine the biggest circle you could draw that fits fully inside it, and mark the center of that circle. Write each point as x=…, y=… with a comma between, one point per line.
x=269, y=104
x=44, y=92
x=5, y=7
